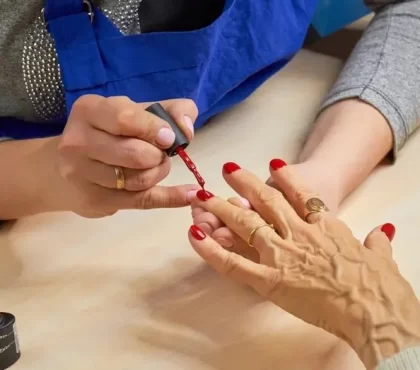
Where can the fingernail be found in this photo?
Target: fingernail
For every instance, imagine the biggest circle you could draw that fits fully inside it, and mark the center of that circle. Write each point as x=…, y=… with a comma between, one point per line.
x=165, y=137
x=188, y=121
x=230, y=167
x=276, y=164
x=245, y=202
x=191, y=195
x=204, y=195
x=389, y=231
x=197, y=233
x=224, y=242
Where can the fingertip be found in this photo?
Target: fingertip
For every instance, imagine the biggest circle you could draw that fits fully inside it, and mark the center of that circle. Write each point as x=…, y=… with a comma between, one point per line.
x=379, y=242
x=276, y=164
x=230, y=167
x=191, y=195
x=196, y=233
x=205, y=227
x=389, y=230
x=225, y=243
x=204, y=195
x=190, y=125
x=245, y=203
x=165, y=137
x=240, y=202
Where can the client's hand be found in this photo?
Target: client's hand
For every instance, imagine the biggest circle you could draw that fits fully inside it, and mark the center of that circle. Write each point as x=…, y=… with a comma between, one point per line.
x=315, y=270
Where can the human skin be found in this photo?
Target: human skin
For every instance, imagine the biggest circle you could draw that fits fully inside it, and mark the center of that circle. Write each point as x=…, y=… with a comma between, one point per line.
x=76, y=170
x=315, y=270
x=349, y=139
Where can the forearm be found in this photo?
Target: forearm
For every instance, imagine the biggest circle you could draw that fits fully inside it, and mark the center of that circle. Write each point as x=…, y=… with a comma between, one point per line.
x=27, y=177
x=375, y=104
x=349, y=139
x=383, y=68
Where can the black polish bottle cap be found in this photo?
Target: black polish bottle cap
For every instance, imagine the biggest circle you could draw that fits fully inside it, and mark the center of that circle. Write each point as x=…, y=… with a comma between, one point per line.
x=9, y=341
x=181, y=140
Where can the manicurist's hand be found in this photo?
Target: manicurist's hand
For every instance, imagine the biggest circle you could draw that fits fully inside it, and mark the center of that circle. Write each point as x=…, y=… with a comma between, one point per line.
x=308, y=262
x=111, y=156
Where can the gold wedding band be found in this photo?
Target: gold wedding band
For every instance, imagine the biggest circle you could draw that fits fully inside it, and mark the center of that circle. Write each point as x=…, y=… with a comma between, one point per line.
x=119, y=172
x=315, y=205
x=251, y=235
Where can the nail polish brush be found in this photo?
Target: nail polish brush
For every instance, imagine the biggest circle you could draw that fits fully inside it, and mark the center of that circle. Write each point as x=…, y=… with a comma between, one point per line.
x=180, y=144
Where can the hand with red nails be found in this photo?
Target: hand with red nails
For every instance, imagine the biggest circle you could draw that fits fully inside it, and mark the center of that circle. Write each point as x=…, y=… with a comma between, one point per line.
x=103, y=134
x=316, y=270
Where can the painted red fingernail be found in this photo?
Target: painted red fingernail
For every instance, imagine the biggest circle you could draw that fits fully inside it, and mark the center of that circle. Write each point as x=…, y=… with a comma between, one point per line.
x=276, y=164
x=197, y=233
x=230, y=167
x=204, y=195
x=389, y=231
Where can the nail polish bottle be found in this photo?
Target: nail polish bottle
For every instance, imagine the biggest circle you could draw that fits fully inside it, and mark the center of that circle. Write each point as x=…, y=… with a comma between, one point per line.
x=181, y=142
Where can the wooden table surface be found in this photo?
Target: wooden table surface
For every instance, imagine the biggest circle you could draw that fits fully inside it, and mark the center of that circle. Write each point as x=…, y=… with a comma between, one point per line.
x=128, y=292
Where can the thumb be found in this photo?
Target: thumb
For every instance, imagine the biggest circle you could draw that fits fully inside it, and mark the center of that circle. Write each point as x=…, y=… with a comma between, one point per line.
x=156, y=197
x=379, y=240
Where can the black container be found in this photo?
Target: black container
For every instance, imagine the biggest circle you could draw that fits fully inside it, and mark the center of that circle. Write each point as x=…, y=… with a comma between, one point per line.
x=9, y=341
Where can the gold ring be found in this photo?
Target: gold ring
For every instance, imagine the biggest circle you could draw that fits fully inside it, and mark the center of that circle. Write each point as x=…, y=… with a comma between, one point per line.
x=119, y=172
x=255, y=230
x=315, y=205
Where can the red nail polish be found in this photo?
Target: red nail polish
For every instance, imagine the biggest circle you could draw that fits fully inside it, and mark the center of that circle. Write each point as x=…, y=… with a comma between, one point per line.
x=276, y=164
x=389, y=231
x=204, y=195
x=230, y=167
x=197, y=233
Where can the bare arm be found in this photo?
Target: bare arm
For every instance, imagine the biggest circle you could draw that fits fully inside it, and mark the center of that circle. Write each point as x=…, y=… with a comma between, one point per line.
x=375, y=104
x=28, y=184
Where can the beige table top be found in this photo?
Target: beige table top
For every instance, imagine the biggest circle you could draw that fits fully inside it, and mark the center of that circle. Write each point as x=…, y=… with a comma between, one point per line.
x=128, y=292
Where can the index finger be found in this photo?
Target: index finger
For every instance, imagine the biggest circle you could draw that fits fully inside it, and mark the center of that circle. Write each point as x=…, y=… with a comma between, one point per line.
x=266, y=200
x=120, y=116
x=241, y=221
x=232, y=265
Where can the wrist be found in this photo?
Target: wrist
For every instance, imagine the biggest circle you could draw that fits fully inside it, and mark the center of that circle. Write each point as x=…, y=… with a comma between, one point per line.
x=30, y=178
x=349, y=139
x=50, y=185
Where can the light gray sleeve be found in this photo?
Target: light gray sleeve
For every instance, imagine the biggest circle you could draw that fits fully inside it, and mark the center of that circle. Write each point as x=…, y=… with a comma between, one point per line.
x=406, y=360
x=384, y=68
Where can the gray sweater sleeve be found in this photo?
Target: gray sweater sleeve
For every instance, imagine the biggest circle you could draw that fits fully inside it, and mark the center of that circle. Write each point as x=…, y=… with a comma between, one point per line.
x=405, y=360
x=384, y=68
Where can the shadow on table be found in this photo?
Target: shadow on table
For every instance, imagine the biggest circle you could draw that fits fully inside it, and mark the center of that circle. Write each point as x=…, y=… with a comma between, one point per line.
x=210, y=319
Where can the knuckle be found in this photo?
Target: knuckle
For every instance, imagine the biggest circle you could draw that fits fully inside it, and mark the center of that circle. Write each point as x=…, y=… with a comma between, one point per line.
x=245, y=218
x=272, y=282
x=67, y=172
x=142, y=180
x=266, y=194
x=148, y=124
x=123, y=109
x=86, y=102
x=131, y=154
x=230, y=264
x=119, y=101
x=146, y=200
x=302, y=194
x=72, y=143
x=191, y=108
